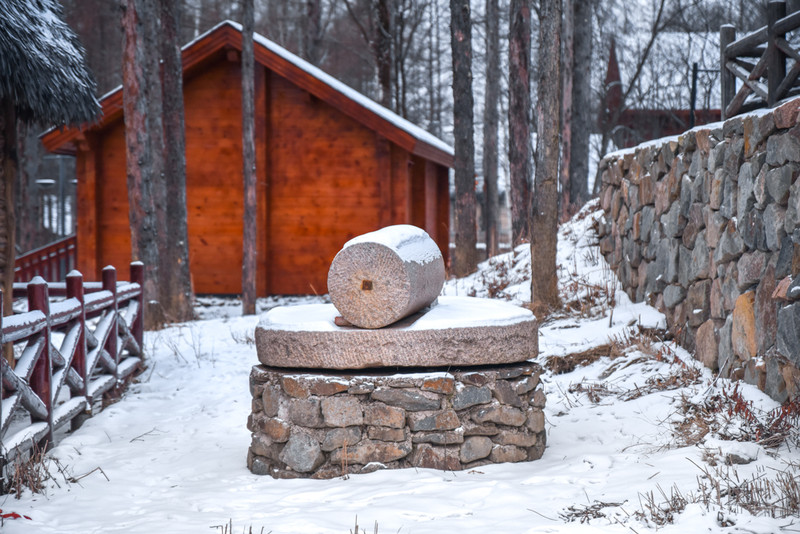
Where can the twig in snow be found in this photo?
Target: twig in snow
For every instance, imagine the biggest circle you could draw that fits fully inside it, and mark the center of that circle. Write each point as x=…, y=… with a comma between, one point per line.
x=98, y=468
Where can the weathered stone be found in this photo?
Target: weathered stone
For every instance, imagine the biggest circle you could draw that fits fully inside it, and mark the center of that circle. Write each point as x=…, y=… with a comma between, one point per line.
x=785, y=115
x=786, y=254
x=685, y=199
x=730, y=245
x=774, y=232
x=259, y=465
x=715, y=300
x=717, y=189
x=504, y=392
x=730, y=286
x=500, y=414
x=743, y=331
x=520, y=439
x=751, y=268
x=717, y=156
x=270, y=401
x=766, y=312
x=535, y=421
x=446, y=437
x=788, y=342
x=633, y=199
x=435, y=457
x=361, y=388
x=409, y=400
x=775, y=385
x=508, y=453
x=261, y=445
x=715, y=226
x=294, y=387
x=667, y=257
x=342, y=437
x=647, y=189
x=305, y=412
x=791, y=378
x=751, y=228
x=426, y=421
x=755, y=373
x=302, y=453
x=276, y=429
x=779, y=180
x=735, y=151
x=342, y=411
x=526, y=384
x=379, y=414
x=672, y=221
x=471, y=428
x=726, y=359
x=792, y=220
x=697, y=300
x=782, y=148
x=284, y=338
x=325, y=388
x=471, y=396
x=646, y=225
x=367, y=451
x=760, y=190
x=707, y=345
x=475, y=448
x=700, y=259
x=694, y=224
x=474, y=379
x=538, y=399
x=746, y=181
x=383, y=433
x=444, y=385
x=756, y=129
x=730, y=199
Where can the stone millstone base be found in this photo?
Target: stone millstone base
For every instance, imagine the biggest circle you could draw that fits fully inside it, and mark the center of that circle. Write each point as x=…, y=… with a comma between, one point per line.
x=320, y=425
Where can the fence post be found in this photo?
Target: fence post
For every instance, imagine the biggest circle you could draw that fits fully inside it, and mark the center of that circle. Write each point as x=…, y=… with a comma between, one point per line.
x=776, y=59
x=137, y=328
x=110, y=284
x=727, y=81
x=38, y=299
x=75, y=290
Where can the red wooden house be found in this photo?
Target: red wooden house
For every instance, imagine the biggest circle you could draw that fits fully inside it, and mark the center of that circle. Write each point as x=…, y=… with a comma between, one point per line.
x=331, y=165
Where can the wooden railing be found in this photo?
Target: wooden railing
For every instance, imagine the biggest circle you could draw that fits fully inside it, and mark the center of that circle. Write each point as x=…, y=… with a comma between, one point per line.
x=759, y=60
x=51, y=262
x=54, y=346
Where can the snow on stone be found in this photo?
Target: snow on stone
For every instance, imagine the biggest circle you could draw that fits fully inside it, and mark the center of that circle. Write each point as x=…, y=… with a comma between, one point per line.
x=409, y=242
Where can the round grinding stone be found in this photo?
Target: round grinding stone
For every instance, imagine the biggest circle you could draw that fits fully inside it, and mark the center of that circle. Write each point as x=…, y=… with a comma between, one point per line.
x=380, y=277
x=458, y=331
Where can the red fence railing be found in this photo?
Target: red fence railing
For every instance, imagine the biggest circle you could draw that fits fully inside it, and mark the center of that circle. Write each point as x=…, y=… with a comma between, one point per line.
x=54, y=346
x=51, y=262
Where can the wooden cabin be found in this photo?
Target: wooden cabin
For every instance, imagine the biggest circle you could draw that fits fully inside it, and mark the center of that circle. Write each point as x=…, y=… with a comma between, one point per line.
x=331, y=164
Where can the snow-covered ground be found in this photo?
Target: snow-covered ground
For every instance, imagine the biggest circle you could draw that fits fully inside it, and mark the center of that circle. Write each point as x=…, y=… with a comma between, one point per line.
x=170, y=456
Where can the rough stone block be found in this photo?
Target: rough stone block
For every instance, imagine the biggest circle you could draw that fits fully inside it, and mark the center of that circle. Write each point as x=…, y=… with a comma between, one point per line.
x=428, y=421
x=276, y=429
x=325, y=388
x=785, y=116
x=766, y=312
x=342, y=411
x=508, y=453
x=707, y=344
x=411, y=401
x=697, y=300
x=774, y=231
x=270, y=399
x=730, y=245
x=379, y=414
x=367, y=451
x=751, y=268
x=383, y=433
x=743, y=331
x=447, y=437
x=475, y=448
x=302, y=453
x=535, y=421
x=779, y=180
x=342, y=437
x=305, y=412
x=788, y=342
x=436, y=457
x=751, y=228
x=726, y=360
x=774, y=384
x=294, y=387
x=782, y=148
x=500, y=414
x=444, y=385
x=471, y=396
x=519, y=439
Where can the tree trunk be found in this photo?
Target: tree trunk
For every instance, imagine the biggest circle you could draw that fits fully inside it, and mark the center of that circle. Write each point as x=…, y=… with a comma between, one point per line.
x=544, y=205
x=519, y=118
x=490, y=124
x=8, y=220
x=581, y=102
x=465, y=258
x=143, y=139
x=312, y=47
x=176, y=283
x=382, y=46
x=566, y=202
x=249, y=243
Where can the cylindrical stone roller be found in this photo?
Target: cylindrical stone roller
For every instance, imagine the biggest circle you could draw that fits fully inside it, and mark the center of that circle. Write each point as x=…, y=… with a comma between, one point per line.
x=380, y=277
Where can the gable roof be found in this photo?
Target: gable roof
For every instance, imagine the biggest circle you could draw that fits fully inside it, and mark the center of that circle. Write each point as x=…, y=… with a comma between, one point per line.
x=227, y=35
x=42, y=67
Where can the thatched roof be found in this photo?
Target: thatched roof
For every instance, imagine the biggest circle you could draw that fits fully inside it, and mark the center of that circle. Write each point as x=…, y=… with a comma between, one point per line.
x=42, y=67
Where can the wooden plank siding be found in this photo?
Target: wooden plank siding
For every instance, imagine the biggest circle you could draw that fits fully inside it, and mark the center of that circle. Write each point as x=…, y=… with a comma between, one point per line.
x=326, y=173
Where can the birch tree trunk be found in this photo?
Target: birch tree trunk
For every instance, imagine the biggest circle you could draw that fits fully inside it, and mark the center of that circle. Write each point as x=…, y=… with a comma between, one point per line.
x=544, y=205
x=176, y=282
x=465, y=259
x=143, y=146
x=490, y=125
x=249, y=244
x=519, y=118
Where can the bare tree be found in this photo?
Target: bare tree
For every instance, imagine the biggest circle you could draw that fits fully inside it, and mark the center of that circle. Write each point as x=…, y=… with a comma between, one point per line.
x=249, y=261
x=567, y=56
x=490, y=126
x=176, y=286
x=544, y=205
x=465, y=257
x=582, y=97
x=143, y=139
x=519, y=118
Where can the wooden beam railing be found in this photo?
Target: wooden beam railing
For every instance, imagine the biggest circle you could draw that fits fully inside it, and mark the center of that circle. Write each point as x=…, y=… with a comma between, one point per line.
x=55, y=379
x=767, y=77
x=51, y=262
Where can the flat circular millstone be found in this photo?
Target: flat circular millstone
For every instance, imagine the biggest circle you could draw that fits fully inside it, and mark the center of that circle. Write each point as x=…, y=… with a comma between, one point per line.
x=455, y=331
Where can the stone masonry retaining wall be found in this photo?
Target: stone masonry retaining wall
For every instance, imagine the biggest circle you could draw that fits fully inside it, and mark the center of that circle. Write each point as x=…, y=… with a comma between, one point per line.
x=323, y=425
x=706, y=227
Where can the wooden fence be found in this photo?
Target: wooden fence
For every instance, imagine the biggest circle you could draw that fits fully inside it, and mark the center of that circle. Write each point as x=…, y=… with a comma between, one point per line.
x=90, y=341
x=51, y=262
x=758, y=60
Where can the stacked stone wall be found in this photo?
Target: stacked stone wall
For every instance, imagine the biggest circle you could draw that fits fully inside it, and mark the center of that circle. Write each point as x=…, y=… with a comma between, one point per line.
x=327, y=425
x=706, y=227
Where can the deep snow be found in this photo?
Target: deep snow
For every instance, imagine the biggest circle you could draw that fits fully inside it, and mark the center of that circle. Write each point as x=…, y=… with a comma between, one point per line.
x=174, y=447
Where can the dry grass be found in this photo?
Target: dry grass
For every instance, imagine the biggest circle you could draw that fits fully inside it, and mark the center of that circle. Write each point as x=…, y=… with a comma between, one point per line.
x=227, y=528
